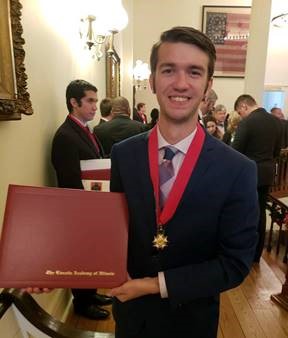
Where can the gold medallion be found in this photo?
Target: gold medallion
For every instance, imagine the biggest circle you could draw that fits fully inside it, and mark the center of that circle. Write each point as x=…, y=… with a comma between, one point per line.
x=160, y=240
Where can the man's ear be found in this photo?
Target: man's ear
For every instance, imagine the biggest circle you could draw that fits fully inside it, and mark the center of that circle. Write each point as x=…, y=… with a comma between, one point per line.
x=208, y=86
x=152, y=83
x=73, y=102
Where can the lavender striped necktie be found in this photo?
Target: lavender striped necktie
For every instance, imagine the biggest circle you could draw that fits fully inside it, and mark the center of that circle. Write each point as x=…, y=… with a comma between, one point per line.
x=166, y=173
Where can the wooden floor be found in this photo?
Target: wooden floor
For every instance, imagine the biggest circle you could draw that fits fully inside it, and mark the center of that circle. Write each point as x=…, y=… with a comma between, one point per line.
x=246, y=311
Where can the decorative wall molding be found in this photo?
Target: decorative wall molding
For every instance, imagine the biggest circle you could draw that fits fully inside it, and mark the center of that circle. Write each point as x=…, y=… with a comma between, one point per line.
x=12, y=108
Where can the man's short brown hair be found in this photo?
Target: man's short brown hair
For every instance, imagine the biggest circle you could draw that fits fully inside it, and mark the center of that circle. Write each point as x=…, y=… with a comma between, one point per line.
x=105, y=107
x=187, y=35
x=245, y=98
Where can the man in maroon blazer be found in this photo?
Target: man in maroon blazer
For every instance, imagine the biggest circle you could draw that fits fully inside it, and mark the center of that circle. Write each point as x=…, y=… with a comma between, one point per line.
x=72, y=143
x=139, y=115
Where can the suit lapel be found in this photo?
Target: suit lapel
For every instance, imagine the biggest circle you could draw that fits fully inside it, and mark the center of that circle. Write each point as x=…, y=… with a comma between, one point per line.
x=204, y=163
x=143, y=164
x=148, y=200
x=82, y=135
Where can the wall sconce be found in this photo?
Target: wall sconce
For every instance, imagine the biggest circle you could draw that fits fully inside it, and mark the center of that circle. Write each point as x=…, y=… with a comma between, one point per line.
x=280, y=21
x=95, y=30
x=141, y=73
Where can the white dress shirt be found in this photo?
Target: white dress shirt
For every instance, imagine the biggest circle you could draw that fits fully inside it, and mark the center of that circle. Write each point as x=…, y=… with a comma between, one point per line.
x=177, y=161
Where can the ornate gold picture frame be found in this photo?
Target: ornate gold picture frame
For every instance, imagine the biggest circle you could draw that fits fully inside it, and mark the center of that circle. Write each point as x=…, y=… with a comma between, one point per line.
x=112, y=74
x=14, y=97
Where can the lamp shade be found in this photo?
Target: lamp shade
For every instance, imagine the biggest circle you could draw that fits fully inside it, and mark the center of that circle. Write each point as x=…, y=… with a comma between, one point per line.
x=110, y=15
x=117, y=17
x=141, y=71
x=280, y=21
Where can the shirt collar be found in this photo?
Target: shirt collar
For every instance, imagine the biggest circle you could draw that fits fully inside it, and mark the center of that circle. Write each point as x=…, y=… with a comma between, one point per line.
x=81, y=122
x=182, y=145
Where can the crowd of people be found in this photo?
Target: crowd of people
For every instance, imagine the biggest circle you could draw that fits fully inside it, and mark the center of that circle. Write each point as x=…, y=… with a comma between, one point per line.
x=202, y=150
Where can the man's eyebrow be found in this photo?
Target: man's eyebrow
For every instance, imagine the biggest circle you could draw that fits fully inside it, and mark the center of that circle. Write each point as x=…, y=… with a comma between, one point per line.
x=167, y=64
x=197, y=67
x=192, y=66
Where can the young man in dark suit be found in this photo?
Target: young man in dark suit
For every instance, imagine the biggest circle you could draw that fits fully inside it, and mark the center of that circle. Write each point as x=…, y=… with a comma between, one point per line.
x=72, y=143
x=139, y=114
x=277, y=112
x=105, y=110
x=182, y=251
x=258, y=136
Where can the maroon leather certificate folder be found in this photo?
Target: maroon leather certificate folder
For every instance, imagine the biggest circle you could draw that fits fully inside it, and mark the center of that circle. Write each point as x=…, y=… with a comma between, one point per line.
x=63, y=238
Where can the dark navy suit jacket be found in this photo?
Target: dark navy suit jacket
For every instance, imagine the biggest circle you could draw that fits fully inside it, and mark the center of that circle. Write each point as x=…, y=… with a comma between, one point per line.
x=258, y=136
x=116, y=130
x=212, y=237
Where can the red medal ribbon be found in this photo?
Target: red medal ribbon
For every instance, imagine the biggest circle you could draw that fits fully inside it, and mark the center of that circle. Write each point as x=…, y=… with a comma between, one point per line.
x=87, y=131
x=182, y=178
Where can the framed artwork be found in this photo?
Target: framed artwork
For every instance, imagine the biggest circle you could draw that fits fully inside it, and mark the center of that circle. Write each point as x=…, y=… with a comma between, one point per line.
x=112, y=74
x=14, y=98
x=228, y=28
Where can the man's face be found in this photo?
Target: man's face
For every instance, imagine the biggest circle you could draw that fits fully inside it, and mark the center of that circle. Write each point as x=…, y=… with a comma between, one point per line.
x=277, y=112
x=211, y=105
x=211, y=127
x=180, y=81
x=143, y=109
x=220, y=115
x=242, y=110
x=86, y=110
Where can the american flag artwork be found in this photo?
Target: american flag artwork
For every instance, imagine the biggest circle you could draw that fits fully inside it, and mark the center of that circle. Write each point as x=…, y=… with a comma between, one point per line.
x=229, y=32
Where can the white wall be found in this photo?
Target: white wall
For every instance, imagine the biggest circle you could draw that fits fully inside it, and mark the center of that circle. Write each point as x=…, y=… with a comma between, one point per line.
x=54, y=57
x=276, y=66
x=276, y=75
x=257, y=49
x=127, y=55
x=153, y=17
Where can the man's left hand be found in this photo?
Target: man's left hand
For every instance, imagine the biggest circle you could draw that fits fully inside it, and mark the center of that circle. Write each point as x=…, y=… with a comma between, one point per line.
x=135, y=288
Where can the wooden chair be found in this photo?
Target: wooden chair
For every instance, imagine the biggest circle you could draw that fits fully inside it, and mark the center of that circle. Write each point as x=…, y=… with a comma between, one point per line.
x=34, y=321
x=277, y=208
x=279, y=215
x=280, y=185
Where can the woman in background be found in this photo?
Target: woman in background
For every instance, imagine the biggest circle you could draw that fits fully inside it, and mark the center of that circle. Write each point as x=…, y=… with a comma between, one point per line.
x=233, y=121
x=154, y=117
x=210, y=125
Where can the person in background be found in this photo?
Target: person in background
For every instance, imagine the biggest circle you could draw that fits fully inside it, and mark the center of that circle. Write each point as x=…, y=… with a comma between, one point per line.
x=232, y=124
x=119, y=127
x=219, y=114
x=207, y=104
x=182, y=252
x=258, y=136
x=277, y=112
x=72, y=143
x=105, y=110
x=139, y=115
x=154, y=117
x=210, y=125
